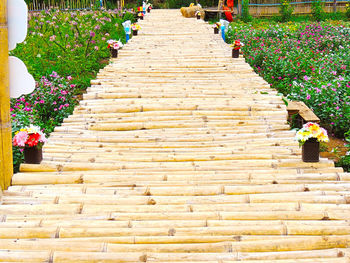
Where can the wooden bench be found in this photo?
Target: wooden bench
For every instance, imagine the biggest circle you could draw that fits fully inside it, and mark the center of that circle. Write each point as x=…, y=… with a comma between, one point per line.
x=304, y=113
x=212, y=14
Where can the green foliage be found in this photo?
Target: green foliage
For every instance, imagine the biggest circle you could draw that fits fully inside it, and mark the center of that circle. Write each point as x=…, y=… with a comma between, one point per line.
x=317, y=10
x=246, y=17
x=347, y=11
x=286, y=11
x=75, y=46
x=345, y=160
x=305, y=61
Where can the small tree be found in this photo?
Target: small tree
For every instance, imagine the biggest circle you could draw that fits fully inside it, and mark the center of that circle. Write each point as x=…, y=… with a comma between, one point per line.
x=317, y=10
x=347, y=11
x=286, y=11
x=246, y=17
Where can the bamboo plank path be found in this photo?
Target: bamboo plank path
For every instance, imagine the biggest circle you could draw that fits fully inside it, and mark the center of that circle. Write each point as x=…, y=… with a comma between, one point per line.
x=178, y=153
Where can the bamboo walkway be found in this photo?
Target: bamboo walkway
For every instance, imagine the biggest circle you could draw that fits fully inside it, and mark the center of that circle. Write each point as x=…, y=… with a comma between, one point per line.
x=178, y=153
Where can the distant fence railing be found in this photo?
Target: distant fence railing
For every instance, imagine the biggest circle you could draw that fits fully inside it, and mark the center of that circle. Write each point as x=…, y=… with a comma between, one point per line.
x=271, y=8
x=37, y=5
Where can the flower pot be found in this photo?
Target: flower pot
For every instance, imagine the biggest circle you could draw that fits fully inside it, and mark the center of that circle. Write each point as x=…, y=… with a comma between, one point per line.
x=148, y=10
x=141, y=17
x=311, y=151
x=235, y=53
x=114, y=53
x=216, y=30
x=134, y=32
x=33, y=155
x=198, y=17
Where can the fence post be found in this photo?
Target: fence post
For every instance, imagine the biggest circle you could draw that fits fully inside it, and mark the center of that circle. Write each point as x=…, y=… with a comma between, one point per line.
x=334, y=6
x=6, y=169
x=239, y=7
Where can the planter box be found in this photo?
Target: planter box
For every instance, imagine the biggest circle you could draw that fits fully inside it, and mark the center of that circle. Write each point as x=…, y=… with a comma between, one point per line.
x=33, y=155
x=311, y=151
x=235, y=53
x=114, y=53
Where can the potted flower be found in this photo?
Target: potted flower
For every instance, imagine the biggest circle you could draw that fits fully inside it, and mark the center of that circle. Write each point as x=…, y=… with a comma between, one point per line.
x=114, y=46
x=216, y=27
x=31, y=139
x=140, y=15
x=309, y=137
x=198, y=14
x=236, y=46
x=135, y=28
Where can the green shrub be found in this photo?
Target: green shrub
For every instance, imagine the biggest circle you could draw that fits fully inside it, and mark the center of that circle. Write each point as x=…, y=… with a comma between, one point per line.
x=246, y=17
x=286, y=11
x=347, y=10
x=345, y=160
x=317, y=10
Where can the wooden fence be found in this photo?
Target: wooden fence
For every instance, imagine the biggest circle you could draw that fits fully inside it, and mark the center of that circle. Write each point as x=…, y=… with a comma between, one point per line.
x=271, y=7
x=36, y=5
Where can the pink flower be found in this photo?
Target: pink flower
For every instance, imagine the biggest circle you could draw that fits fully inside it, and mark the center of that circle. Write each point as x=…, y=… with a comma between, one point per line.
x=20, y=139
x=96, y=47
x=69, y=77
x=308, y=96
x=52, y=38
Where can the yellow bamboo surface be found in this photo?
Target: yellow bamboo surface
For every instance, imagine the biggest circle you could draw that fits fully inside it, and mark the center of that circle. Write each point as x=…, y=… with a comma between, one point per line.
x=177, y=153
x=5, y=122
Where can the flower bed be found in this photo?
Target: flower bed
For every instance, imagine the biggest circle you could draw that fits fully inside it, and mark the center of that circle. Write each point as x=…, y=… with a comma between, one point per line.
x=63, y=51
x=309, y=62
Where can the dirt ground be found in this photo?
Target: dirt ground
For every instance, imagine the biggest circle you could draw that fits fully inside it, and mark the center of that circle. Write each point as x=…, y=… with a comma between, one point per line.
x=335, y=148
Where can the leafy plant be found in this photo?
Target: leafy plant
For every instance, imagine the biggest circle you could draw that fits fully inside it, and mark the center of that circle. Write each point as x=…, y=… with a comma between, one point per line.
x=286, y=10
x=347, y=10
x=63, y=51
x=345, y=160
x=246, y=17
x=317, y=10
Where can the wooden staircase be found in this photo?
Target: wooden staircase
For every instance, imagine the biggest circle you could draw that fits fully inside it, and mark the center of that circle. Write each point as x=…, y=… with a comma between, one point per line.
x=178, y=153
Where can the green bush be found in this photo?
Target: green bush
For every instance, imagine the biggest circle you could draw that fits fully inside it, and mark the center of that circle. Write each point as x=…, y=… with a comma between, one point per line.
x=347, y=10
x=345, y=160
x=246, y=17
x=75, y=46
x=317, y=10
x=306, y=62
x=286, y=11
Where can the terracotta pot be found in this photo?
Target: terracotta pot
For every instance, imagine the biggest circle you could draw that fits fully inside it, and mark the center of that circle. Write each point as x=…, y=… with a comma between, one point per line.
x=114, y=53
x=235, y=53
x=134, y=32
x=311, y=151
x=216, y=30
x=33, y=155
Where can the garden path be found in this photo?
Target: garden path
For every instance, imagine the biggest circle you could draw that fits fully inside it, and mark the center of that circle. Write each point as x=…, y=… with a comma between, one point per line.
x=177, y=153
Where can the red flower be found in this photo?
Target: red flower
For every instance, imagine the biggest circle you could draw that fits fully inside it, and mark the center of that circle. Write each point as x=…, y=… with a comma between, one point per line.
x=33, y=139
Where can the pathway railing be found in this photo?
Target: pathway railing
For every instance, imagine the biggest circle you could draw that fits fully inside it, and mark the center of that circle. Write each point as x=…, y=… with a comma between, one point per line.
x=271, y=7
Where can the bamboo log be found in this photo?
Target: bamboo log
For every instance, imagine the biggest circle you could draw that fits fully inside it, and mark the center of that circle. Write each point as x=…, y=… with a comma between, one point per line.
x=5, y=122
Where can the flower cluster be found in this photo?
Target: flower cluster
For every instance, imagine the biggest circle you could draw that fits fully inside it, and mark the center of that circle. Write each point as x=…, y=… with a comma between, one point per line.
x=311, y=130
x=30, y=136
x=237, y=45
x=217, y=25
x=135, y=27
x=306, y=62
x=114, y=44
